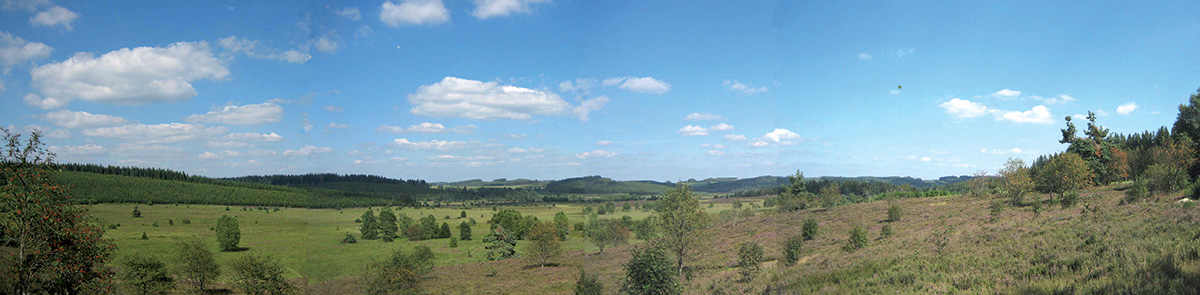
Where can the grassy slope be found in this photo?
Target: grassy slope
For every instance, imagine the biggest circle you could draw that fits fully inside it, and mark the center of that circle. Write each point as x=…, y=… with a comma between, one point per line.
x=600, y=185
x=115, y=188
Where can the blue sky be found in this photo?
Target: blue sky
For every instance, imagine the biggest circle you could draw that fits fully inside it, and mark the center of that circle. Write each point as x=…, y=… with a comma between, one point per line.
x=663, y=90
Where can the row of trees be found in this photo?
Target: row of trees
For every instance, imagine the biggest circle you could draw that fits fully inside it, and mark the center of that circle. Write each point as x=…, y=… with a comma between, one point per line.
x=387, y=225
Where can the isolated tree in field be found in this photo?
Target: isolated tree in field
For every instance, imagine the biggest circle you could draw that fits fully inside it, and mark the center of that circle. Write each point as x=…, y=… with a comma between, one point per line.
x=544, y=244
x=857, y=240
x=444, y=231
x=48, y=244
x=791, y=249
x=809, y=229
x=588, y=284
x=650, y=272
x=680, y=219
x=608, y=233
x=464, y=231
x=1140, y=189
x=1017, y=180
x=145, y=275
x=1064, y=172
x=894, y=213
x=795, y=195
x=386, y=224
x=501, y=244
x=137, y=213
x=562, y=224
x=260, y=275
x=368, y=228
x=228, y=234
x=750, y=255
x=195, y=264
x=399, y=274
x=462, y=214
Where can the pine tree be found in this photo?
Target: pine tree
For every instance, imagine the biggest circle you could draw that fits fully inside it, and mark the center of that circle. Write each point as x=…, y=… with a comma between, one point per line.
x=386, y=224
x=464, y=231
x=369, y=229
x=444, y=231
x=502, y=244
x=563, y=225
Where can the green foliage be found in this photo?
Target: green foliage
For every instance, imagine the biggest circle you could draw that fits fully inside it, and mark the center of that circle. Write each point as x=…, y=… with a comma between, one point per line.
x=857, y=240
x=145, y=274
x=1062, y=173
x=1037, y=208
x=607, y=233
x=137, y=213
x=680, y=218
x=512, y=221
x=1017, y=180
x=795, y=195
x=195, y=264
x=1187, y=123
x=453, y=242
x=1140, y=190
x=464, y=231
x=369, y=228
x=750, y=255
x=144, y=237
x=401, y=273
x=894, y=213
x=563, y=225
x=49, y=244
x=588, y=284
x=254, y=274
x=648, y=272
x=501, y=244
x=349, y=239
x=385, y=224
x=809, y=230
x=444, y=231
x=601, y=185
x=1163, y=179
x=791, y=249
x=885, y=231
x=996, y=208
x=428, y=228
x=228, y=234
x=462, y=214
x=646, y=228
x=544, y=244
x=1069, y=199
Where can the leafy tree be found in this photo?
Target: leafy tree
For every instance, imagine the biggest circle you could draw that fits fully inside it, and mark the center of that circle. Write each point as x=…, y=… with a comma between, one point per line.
x=831, y=195
x=1017, y=180
x=386, y=224
x=429, y=228
x=625, y=207
x=502, y=244
x=464, y=231
x=1064, y=172
x=1187, y=123
x=649, y=271
x=228, y=234
x=646, y=228
x=511, y=220
x=400, y=274
x=145, y=274
x=49, y=245
x=809, y=229
x=607, y=232
x=544, y=244
x=562, y=224
x=680, y=218
x=369, y=229
x=795, y=195
x=1099, y=153
x=1138, y=191
x=858, y=239
x=610, y=207
x=195, y=264
x=1164, y=179
x=894, y=212
x=750, y=255
x=255, y=274
x=791, y=249
x=588, y=284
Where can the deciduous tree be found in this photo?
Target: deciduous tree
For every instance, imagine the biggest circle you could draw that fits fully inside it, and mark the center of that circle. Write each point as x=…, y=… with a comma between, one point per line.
x=680, y=217
x=544, y=244
x=228, y=234
x=260, y=275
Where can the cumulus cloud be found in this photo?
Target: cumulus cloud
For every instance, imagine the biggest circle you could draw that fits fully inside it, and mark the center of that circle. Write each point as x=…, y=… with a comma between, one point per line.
x=70, y=119
x=208, y=156
x=455, y=97
x=1125, y=109
x=604, y=143
x=130, y=76
x=333, y=109
x=427, y=127
x=389, y=129
x=702, y=117
x=1039, y=114
x=485, y=9
x=596, y=154
x=78, y=150
x=307, y=150
x=744, y=88
x=256, y=137
x=721, y=127
x=1006, y=94
x=430, y=145
x=714, y=153
x=55, y=16
x=351, y=13
x=414, y=12
x=780, y=136
x=865, y=56
x=693, y=130
x=251, y=48
x=1061, y=98
x=643, y=84
x=1001, y=151
x=251, y=114
x=328, y=43
x=46, y=131
x=15, y=51
x=587, y=106
x=156, y=134
x=964, y=108
x=735, y=137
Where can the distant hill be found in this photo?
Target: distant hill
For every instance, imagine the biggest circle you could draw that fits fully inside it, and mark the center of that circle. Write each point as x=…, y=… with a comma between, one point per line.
x=730, y=184
x=89, y=187
x=602, y=185
x=502, y=182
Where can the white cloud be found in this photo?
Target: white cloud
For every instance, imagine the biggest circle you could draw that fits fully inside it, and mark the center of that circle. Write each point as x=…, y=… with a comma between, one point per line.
x=430, y=145
x=54, y=16
x=454, y=97
x=307, y=150
x=894, y=92
x=251, y=114
x=363, y=32
x=333, y=125
x=865, y=56
x=130, y=76
x=758, y=143
x=1002, y=152
x=1125, y=109
x=414, y=12
x=15, y=51
x=693, y=130
x=517, y=150
x=256, y=137
x=713, y=146
x=714, y=153
x=964, y=108
x=389, y=129
x=208, y=156
x=46, y=131
x=1006, y=94
x=485, y=9
x=78, y=150
x=427, y=127
x=1039, y=114
x=604, y=143
x=583, y=85
x=596, y=154
x=721, y=127
x=251, y=48
x=643, y=84
x=744, y=88
x=351, y=13
x=328, y=43
x=735, y=137
x=1061, y=98
x=44, y=103
x=70, y=119
x=156, y=134
x=904, y=52
x=702, y=117
x=780, y=136
x=926, y=159
x=587, y=106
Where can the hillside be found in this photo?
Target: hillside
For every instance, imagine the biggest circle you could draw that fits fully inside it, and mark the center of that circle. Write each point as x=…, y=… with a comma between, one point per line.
x=104, y=188
x=601, y=185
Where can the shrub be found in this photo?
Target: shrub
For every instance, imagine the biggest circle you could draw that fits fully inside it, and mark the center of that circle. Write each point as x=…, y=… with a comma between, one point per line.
x=588, y=284
x=137, y=213
x=453, y=242
x=464, y=231
x=649, y=271
x=186, y=221
x=886, y=231
x=857, y=240
x=144, y=237
x=195, y=264
x=791, y=249
x=1137, y=191
x=1069, y=199
x=1037, y=208
x=145, y=274
x=228, y=234
x=1163, y=179
x=255, y=274
x=401, y=273
x=444, y=231
x=750, y=254
x=894, y=212
x=810, y=229
x=349, y=239
x=996, y=208
x=155, y=224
